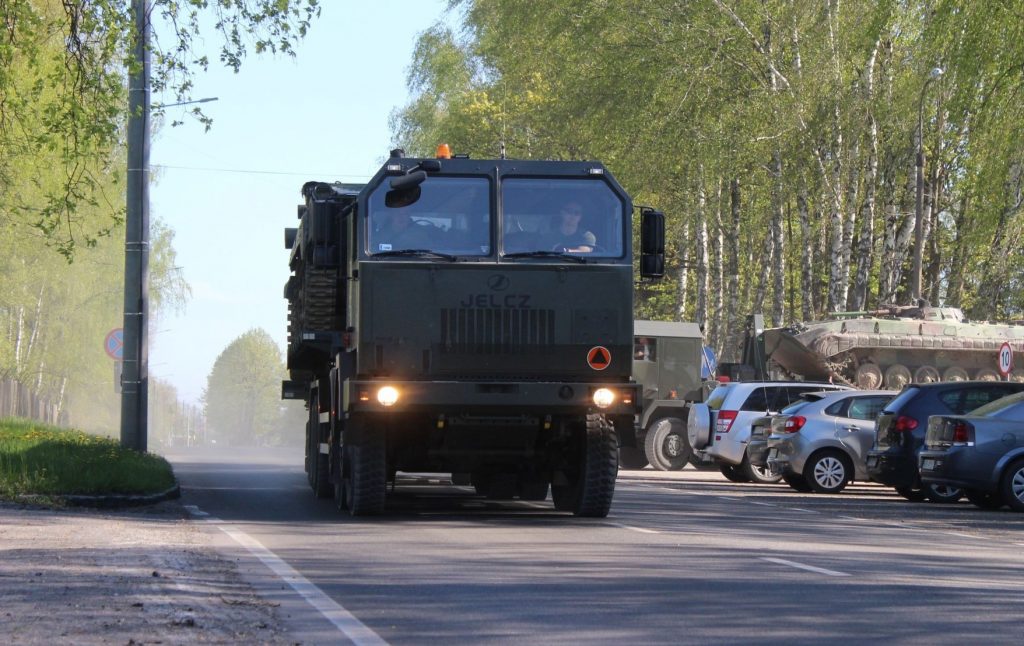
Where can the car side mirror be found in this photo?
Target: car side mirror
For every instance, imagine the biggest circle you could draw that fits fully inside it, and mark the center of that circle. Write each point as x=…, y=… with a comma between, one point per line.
x=652, y=243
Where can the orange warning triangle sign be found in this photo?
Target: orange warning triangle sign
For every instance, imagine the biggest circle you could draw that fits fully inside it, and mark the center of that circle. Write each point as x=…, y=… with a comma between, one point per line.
x=599, y=358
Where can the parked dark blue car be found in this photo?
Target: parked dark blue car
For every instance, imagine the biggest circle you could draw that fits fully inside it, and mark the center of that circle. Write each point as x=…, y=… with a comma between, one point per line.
x=900, y=430
x=982, y=453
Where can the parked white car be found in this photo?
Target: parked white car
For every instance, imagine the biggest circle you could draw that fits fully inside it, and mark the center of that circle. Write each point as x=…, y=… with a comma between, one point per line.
x=720, y=426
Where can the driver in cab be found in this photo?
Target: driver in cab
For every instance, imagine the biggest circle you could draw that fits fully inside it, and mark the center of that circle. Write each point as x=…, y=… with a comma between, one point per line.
x=566, y=234
x=400, y=231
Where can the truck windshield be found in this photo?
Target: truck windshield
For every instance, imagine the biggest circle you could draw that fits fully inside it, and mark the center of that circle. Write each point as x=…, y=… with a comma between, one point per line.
x=574, y=216
x=451, y=216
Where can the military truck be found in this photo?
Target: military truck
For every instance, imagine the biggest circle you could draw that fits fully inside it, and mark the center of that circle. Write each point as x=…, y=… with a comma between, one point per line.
x=893, y=346
x=670, y=364
x=434, y=327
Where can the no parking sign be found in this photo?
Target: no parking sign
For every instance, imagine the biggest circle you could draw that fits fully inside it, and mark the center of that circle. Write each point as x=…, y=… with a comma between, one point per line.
x=114, y=344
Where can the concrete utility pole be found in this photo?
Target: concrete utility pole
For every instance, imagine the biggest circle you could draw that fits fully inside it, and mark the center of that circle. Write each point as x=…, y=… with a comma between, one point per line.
x=135, y=375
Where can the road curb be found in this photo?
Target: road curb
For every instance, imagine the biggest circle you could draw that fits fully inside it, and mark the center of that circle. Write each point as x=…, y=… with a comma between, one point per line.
x=112, y=501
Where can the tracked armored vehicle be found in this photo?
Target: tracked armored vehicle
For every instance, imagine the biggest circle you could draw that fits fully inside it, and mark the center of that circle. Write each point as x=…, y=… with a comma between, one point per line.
x=893, y=347
x=433, y=328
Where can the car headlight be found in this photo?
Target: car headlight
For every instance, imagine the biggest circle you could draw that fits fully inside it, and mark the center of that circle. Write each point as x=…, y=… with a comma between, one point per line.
x=387, y=396
x=604, y=397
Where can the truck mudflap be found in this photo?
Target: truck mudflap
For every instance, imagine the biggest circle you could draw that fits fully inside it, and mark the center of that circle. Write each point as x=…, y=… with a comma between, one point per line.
x=371, y=396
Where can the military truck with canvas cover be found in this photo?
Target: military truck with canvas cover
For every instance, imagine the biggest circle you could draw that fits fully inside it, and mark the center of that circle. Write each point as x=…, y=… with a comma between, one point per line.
x=442, y=319
x=669, y=363
x=893, y=347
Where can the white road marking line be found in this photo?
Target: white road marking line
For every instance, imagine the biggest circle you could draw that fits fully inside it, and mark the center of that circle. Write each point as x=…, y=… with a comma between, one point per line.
x=635, y=529
x=959, y=535
x=801, y=566
x=848, y=517
x=358, y=632
x=806, y=511
x=728, y=498
x=763, y=504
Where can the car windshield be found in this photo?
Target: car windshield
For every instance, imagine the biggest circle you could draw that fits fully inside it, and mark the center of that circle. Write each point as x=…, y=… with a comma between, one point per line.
x=583, y=217
x=1000, y=406
x=449, y=216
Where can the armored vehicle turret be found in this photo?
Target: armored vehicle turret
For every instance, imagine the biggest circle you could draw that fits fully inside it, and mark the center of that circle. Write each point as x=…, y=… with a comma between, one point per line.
x=895, y=346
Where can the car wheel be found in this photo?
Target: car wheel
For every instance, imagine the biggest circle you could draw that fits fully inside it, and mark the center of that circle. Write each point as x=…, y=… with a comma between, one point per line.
x=631, y=457
x=911, y=494
x=942, y=493
x=984, y=499
x=797, y=482
x=828, y=471
x=1012, y=486
x=733, y=473
x=666, y=444
x=758, y=475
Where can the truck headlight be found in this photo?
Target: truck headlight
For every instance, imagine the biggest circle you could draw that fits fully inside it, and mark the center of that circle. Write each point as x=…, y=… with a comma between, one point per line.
x=387, y=396
x=604, y=397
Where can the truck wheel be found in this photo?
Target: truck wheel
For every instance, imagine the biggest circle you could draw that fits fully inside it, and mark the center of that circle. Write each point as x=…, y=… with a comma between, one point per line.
x=666, y=445
x=631, y=457
x=365, y=476
x=591, y=472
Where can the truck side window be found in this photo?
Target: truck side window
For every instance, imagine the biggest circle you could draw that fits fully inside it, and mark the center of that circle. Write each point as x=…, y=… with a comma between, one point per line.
x=645, y=349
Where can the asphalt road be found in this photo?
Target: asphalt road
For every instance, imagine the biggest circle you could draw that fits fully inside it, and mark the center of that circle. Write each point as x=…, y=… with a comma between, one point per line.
x=684, y=557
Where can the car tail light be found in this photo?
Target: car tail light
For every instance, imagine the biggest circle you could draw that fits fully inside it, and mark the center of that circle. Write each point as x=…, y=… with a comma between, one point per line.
x=962, y=433
x=904, y=424
x=794, y=423
x=724, y=421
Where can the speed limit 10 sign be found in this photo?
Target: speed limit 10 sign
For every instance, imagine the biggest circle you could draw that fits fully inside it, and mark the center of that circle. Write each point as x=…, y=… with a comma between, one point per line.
x=1005, y=359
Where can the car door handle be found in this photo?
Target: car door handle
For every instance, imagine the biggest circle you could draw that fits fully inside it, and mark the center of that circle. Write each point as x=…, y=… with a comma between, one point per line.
x=852, y=429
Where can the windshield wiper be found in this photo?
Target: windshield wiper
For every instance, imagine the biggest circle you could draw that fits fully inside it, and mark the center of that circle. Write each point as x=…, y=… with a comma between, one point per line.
x=428, y=253
x=546, y=254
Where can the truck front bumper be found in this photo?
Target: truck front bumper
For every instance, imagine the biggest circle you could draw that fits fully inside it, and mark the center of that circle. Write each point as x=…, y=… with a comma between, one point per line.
x=440, y=397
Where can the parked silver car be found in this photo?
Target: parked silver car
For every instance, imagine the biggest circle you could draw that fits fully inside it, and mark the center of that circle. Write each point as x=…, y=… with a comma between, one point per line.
x=720, y=426
x=819, y=444
x=982, y=452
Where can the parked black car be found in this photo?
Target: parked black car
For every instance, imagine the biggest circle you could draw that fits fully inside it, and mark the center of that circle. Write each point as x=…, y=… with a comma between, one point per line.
x=982, y=452
x=901, y=427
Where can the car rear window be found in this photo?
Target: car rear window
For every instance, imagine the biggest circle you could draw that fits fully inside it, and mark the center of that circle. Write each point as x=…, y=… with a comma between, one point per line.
x=965, y=400
x=1003, y=407
x=794, y=408
x=902, y=399
x=866, y=408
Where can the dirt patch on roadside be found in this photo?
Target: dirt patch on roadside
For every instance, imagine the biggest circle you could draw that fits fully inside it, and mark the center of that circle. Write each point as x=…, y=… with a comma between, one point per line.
x=141, y=576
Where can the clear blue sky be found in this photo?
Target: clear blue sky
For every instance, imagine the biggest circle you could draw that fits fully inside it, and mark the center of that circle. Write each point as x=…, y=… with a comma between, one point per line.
x=229, y=193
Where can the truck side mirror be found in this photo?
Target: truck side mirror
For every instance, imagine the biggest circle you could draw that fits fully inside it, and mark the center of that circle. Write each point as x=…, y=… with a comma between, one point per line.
x=652, y=243
x=290, y=233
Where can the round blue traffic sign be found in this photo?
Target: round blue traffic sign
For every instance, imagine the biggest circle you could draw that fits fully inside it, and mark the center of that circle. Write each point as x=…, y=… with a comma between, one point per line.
x=114, y=343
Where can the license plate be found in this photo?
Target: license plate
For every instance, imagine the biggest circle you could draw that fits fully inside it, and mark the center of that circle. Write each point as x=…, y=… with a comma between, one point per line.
x=928, y=464
x=773, y=453
x=872, y=461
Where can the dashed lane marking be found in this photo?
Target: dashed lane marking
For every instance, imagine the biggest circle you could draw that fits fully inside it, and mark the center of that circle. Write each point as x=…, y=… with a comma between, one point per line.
x=804, y=566
x=358, y=632
x=635, y=529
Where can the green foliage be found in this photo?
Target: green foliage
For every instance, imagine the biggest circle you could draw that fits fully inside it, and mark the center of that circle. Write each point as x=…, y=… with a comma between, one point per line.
x=63, y=99
x=243, y=392
x=683, y=97
x=40, y=460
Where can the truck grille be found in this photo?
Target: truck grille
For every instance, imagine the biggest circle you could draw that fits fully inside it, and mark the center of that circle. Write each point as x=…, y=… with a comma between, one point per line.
x=496, y=330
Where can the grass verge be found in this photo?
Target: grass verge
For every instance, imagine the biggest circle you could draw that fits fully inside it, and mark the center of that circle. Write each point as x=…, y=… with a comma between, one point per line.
x=41, y=460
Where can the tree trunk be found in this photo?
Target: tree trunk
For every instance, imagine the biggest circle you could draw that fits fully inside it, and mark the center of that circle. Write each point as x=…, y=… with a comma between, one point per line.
x=700, y=249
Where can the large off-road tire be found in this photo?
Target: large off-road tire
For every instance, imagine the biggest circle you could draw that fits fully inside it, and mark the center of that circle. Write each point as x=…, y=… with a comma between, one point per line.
x=985, y=499
x=593, y=464
x=319, y=464
x=758, y=475
x=1011, y=485
x=631, y=457
x=733, y=473
x=365, y=469
x=666, y=445
x=828, y=471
